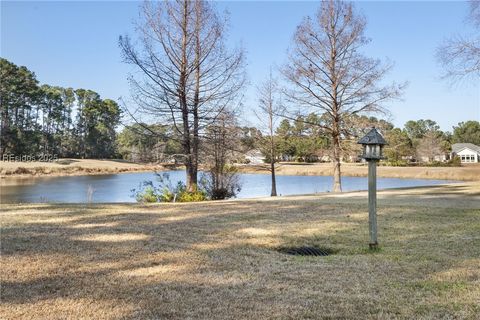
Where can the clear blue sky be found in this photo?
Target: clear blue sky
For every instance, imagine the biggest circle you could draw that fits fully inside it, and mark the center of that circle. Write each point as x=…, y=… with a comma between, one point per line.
x=74, y=44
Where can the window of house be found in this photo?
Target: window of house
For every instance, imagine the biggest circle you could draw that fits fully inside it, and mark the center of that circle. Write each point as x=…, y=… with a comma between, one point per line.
x=468, y=158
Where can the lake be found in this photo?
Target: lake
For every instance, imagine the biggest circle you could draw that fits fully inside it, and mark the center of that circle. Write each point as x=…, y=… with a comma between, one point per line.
x=117, y=187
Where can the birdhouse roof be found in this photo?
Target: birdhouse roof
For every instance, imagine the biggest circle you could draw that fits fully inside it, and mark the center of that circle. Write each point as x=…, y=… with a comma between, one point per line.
x=373, y=137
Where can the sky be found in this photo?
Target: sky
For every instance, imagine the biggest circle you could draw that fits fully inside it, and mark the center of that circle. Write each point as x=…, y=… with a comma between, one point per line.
x=75, y=44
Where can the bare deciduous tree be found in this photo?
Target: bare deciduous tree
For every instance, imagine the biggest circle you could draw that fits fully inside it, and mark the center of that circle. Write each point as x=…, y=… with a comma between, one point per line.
x=185, y=75
x=268, y=110
x=330, y=76
x=460, y=55
x=430, y=146
x=474, y=15
x=221, y=180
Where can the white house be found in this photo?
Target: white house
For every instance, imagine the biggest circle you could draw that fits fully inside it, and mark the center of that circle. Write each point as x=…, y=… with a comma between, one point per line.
x=467, y=152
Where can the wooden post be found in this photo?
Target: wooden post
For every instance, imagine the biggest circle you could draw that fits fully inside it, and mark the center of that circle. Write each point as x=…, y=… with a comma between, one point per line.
x=372, y=203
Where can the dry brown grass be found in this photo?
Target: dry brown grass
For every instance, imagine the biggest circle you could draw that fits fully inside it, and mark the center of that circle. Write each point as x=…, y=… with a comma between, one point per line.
x=215, y=260
x=465, y=173
x=73, y=167
x=64, y=167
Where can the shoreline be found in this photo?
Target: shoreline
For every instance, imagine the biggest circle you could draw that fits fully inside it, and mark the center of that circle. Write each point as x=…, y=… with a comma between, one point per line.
x=324, y=194
x=80, y=172
x=464, y=173
x=82, y=167
x=76, y=167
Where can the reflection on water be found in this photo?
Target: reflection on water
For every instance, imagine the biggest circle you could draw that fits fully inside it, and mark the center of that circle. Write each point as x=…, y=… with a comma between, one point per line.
x=117, y=187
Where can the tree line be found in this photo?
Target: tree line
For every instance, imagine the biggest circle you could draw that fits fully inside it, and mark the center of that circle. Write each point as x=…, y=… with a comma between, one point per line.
x=301, y=140
x=41, y=120
x=418, y=141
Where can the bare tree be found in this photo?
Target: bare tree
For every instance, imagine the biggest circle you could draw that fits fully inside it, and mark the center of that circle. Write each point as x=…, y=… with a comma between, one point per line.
x=430, y=146
x=460, y=55
x=329, y=75
x=185, y=75
x=221, y=180
x=268, y=110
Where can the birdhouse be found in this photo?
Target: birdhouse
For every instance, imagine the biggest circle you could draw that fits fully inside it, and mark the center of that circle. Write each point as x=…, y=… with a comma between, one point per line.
x=373, y=143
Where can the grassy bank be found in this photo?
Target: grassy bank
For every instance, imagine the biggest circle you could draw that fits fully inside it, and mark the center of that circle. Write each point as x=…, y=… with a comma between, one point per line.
x=65, y=167
x=464, y=173
x=217, y=260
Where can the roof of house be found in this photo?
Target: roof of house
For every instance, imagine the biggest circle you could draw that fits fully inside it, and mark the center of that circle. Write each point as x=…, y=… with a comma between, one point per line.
x=457, y=147
x=373, y=137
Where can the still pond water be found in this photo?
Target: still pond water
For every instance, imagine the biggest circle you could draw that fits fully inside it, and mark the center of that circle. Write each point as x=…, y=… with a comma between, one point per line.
x=117, y=187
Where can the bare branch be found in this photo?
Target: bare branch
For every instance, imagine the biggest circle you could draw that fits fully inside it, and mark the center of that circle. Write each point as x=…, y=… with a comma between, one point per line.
x=330, y=77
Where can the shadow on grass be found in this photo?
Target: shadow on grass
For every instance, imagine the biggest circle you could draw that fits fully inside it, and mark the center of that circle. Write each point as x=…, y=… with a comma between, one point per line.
x=208, y=260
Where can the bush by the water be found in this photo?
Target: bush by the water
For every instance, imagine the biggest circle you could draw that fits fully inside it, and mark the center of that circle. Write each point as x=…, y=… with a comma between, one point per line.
x=395, y=163
x=220, y=184
x=454, y=162
x=148, y=194
x=212, y=186
x=165, y=191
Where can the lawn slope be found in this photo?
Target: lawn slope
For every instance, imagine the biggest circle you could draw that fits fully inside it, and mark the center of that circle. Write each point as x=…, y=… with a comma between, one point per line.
x=217, y=260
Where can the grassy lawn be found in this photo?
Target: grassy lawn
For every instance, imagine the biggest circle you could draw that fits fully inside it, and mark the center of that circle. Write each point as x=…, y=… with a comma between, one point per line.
x=217, y=260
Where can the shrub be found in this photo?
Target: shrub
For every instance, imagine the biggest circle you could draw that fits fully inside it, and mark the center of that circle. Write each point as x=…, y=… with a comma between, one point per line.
x=221, y=193
x=186, y=196
x=166, y=191
x=39, y=170
x=396, y=163
x=221, y=184
x=22, y=170
x=455, y=162
x=147, y=195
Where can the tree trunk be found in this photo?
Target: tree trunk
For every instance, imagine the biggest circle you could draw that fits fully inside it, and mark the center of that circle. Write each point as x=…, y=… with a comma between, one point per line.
x=190, y=161
x=272, y=152
x=274, y=183
x=337, y=176
x=196, y=104
x=191, y=171
x=337, y=180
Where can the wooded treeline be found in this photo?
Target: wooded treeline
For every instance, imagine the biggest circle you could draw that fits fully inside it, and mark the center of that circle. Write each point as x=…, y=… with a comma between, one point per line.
x=302, y=140
x=41, y=120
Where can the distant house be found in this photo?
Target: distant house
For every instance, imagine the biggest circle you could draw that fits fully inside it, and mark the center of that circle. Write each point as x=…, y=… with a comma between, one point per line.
x=467, y=152
x=438, y=157
x=255, y=157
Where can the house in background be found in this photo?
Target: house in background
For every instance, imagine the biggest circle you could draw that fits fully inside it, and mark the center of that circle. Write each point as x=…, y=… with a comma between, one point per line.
x=467, y=152
x=255, y=157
